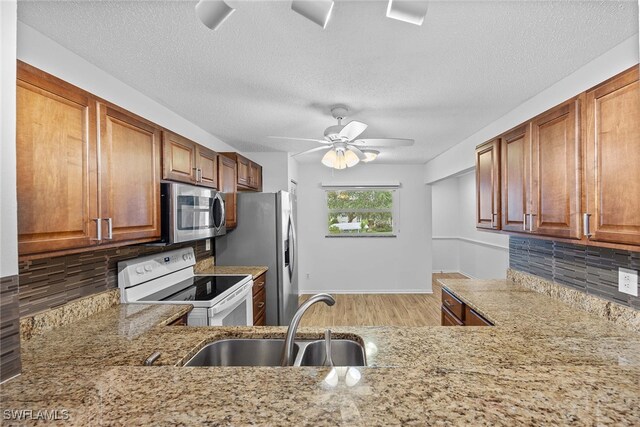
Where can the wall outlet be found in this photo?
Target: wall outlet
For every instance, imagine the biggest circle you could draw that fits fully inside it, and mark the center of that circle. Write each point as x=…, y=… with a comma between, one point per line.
x=207, y=244
x=628, y=281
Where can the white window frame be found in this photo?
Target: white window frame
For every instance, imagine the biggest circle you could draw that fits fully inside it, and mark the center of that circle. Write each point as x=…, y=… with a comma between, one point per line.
x=395, y=209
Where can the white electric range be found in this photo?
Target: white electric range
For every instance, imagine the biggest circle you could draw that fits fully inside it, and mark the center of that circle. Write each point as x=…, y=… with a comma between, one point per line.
x=168, y=278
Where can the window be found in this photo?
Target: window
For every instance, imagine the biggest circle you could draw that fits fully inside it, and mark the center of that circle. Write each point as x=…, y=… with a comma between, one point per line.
x=360, y=212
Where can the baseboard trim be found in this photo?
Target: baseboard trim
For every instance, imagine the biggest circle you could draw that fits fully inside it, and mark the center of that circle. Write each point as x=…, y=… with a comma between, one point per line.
x=365, y=291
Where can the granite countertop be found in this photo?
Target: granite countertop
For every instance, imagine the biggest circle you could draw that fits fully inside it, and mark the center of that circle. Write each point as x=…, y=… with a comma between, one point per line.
x=255, y=271
x=543, y=363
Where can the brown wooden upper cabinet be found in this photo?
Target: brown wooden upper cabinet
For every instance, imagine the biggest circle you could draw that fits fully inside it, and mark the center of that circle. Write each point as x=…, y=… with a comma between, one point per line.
x=227, y=172
x=515, y=148
x=571, y=172
x=186, y=161
x=249, y=174
x=555, y=172
x=488, y=185
x=74, y=193
x=129, y=175
x=612, y=167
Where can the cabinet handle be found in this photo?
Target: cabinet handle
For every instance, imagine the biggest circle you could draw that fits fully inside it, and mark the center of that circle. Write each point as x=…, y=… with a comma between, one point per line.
x=531, y=222
x=260, y=304
x=98, y=229
x=199, y=175
x=447, y=303
x=493, y=220
x=586, y=224
x=524, y=222
x=109, y=228
x=196, y=173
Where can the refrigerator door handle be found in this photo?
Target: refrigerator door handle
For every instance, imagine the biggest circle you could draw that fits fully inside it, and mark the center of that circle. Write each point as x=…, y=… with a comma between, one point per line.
x=292, y=247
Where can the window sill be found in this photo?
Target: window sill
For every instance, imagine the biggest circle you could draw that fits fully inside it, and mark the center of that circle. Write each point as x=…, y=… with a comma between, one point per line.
x=361, y=236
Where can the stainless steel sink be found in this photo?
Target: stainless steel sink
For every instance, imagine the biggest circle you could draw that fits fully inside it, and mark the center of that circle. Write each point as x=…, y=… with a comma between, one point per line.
x=240, y=352
x=268, y=352
x=343, y=353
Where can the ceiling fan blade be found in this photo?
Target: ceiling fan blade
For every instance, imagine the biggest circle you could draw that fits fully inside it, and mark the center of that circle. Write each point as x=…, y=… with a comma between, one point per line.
x=352, y=129
x=309, y=151
x=321, y=141
x=357, y=152
x=384, y=142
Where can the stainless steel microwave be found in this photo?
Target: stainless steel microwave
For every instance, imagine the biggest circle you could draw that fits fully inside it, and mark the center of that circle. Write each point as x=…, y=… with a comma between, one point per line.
x=191, y=213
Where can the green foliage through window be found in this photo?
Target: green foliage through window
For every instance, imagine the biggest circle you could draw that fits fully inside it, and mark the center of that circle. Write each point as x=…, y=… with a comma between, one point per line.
x=360, y=212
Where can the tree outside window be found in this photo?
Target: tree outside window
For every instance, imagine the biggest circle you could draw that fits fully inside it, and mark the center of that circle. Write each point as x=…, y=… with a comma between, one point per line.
x=360, y=212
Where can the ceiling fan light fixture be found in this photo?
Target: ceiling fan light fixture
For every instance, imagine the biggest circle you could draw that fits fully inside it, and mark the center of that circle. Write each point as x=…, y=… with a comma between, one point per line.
x=370, y=155
x=341, y=161
x=329, y=159
x=213, y=13
x=351, y=158
x=411, y=11
x=318, y=11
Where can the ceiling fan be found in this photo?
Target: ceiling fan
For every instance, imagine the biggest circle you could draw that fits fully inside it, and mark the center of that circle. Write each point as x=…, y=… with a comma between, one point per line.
x=343, y=149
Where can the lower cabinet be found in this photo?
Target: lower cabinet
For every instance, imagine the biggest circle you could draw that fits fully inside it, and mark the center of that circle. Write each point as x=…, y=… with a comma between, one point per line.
x=260, y=300
x=457, y=313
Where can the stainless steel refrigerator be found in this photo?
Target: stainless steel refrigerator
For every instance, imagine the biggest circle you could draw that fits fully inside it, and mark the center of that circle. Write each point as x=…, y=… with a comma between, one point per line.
x=266, y=235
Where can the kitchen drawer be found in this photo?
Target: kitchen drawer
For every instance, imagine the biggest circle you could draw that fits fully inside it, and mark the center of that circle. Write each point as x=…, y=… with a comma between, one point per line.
x=258, y=283
x=448, y=319
x=261, y=320
x=181, y=321
x=259, y=303
x=471, y=318
x=453, y=304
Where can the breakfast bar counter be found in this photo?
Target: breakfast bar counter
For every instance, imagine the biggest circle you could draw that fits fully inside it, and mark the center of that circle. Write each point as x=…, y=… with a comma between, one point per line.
x=542, y=363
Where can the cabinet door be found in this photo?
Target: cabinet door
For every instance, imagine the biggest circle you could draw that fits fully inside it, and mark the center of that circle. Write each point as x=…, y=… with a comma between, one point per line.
x=207, y=164
x=515, y=148
x=227, y=169
x=129, y=176
x=613, y=159
x=255, y=176
x=555, y=172
x=488, y=185
x=244, y=166
x=178, y=158
x=56, y=167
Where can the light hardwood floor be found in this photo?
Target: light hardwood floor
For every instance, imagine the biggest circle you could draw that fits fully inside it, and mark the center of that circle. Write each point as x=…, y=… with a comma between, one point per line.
x=380, y=309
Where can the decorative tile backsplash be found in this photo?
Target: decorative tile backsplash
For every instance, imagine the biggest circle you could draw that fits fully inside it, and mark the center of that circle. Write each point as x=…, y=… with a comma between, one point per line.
x=9, y=328
x=51, y=282
x=589, y=269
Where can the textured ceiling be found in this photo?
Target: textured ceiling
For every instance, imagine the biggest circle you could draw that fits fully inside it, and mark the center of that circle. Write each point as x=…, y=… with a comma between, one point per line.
x=268, y=71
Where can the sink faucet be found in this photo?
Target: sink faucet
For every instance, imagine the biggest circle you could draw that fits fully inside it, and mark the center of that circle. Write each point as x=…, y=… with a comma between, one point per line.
x=287, y=353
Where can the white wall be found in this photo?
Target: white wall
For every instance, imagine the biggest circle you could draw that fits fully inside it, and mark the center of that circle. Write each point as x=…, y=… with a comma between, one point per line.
x=366, y=265
x=461, y=156
x=275, y=170
x=40, y=51
x=8, y=201
x=457, y=244
x=445, y=219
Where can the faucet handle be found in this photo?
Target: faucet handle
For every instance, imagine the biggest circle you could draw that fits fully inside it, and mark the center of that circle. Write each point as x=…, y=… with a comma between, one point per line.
x=328, y=360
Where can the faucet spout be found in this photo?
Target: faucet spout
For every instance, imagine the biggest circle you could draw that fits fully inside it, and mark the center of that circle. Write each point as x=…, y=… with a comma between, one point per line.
x=287, y=353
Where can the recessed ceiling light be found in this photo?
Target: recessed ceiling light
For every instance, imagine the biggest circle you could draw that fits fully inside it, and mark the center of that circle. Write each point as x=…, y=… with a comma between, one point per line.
x=411, y=11
x=318, y=11
x=213, y=13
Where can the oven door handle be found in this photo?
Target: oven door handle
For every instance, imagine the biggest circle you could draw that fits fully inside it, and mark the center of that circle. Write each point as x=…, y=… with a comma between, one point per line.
x=231, y=303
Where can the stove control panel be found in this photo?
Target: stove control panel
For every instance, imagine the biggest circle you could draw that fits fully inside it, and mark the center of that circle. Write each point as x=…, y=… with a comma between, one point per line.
x=132, y=272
